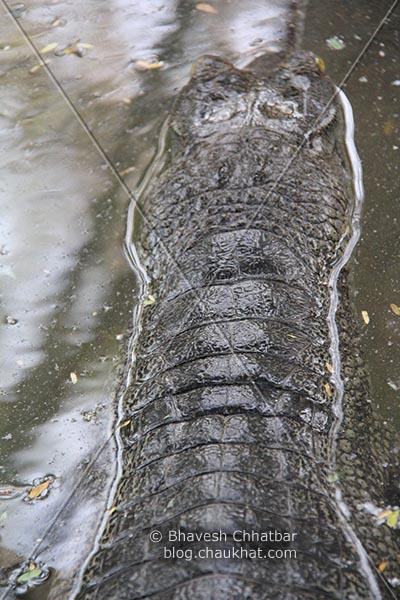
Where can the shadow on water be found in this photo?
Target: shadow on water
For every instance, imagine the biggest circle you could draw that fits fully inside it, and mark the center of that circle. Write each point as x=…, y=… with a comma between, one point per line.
x=68, y=291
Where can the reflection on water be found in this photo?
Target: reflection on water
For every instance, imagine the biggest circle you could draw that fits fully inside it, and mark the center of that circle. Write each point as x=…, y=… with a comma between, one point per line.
x=67, y=291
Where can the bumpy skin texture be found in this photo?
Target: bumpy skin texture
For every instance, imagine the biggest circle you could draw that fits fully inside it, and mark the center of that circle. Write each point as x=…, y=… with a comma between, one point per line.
x=232, y=425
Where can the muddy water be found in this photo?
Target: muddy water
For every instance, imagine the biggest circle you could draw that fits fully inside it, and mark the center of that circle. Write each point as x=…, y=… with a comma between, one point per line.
x=67, y=290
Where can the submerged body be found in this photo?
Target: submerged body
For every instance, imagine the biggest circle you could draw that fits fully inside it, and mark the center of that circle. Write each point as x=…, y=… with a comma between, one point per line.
x=238, y=445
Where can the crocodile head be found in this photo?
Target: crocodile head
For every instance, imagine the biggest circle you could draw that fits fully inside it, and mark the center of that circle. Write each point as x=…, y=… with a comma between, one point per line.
x=292, y=99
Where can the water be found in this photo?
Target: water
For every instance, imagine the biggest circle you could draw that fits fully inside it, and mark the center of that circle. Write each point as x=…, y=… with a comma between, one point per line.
x=64, y=277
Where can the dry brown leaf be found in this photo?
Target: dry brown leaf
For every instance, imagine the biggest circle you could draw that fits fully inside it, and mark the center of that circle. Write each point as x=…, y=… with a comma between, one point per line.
x=329, y=367
x=395, y=309
x=48, y=48
x=328, y=390
x=206, y=8
x=383, y=514
x=125, y=423
x=127, y=171
x=149, y=66
x=382, y=566
x=38, y=489
x=38, y=66
x=388, y=128
x=365, y=316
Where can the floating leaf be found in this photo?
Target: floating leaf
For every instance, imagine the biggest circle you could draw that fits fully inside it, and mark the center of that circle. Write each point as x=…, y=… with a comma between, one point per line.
x=328, y=390
x=392, y=519
x=329, y=367
x=385, y=513
x=382, y=566
x=388, y=128
x=148, y=300
x=320, y=64
x=149, y=66
x=78, y=48
x=365, y=316
x=74, y=377
x=48, y=48
x=127, y=171
x=38, y=66
x=395, y=309
x=206, y=8
x=38, y=489
x=29, y=575
x=335, y=43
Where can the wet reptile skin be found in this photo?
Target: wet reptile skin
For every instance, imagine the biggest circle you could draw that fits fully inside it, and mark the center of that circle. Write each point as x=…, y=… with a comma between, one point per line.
x=232, y=423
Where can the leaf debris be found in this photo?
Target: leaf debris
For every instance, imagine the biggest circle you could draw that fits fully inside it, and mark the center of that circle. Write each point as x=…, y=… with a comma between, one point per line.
x=144, y=65
x=329, y=367
x=29, y=575
x=206, y=8
x=148, y=300
x=39, y=489
x=390, y=517
x=395, y=309
x=48, y=48
x=335, y=43
x=365, y=316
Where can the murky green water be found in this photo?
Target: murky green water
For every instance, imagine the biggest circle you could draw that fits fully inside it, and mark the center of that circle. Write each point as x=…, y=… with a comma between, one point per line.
x=67, y=290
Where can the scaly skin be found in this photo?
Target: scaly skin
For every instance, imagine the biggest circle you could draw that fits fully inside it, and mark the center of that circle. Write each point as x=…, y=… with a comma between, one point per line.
x=232, y=424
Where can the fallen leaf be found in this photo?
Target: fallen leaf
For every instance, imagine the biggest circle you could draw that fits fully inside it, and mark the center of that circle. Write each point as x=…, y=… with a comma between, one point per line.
x=149, y=66
x=56, y=23
x=78, y=48
x=39, y=489
x=125, y=423
x=28, y=575
x=335, y=43
x=382, y=566
x=329, y=367
x=206, y=8
x=148, y=300
x=382, y=515
x=388, y=128
x=48, y=48
x=395, y=309
x=112, y=510
x=365, y=316
x=393, y=518
x=127, y=171
x=74, y=377
x=38, y=66
x=328, y=390
x=320, y=64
